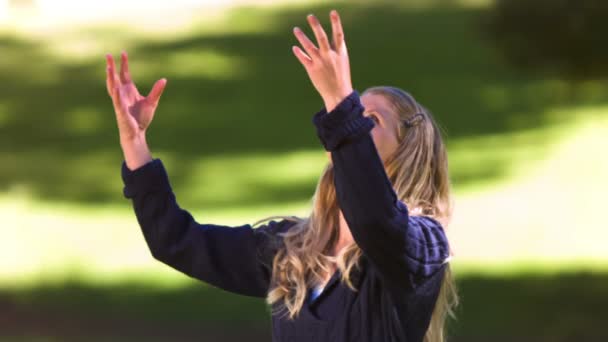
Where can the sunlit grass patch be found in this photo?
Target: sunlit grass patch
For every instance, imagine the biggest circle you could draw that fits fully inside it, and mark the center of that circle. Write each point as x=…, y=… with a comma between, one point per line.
x=550, y=209
x=57, y=240
x=253, y=179
x=527, y=266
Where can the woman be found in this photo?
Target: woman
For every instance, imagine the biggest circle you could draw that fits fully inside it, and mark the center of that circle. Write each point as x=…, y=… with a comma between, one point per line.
x=362, y=266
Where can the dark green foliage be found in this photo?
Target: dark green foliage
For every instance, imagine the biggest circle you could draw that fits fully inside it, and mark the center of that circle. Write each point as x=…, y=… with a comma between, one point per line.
x=566, y=37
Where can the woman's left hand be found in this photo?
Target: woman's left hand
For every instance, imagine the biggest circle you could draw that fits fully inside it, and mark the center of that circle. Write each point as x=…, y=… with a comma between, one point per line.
x=327, y=65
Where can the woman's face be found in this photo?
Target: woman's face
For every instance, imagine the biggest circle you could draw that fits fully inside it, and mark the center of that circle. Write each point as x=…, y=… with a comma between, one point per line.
x=385, y=131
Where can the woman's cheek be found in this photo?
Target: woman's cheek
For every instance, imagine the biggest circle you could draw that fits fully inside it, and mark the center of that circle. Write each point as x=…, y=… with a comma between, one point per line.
x=378, y=141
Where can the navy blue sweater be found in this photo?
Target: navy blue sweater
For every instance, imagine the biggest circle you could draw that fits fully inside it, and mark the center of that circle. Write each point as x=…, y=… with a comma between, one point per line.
x=403, y=259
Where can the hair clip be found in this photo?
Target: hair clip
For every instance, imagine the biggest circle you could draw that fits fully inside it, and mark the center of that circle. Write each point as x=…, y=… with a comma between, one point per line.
x=413, y=121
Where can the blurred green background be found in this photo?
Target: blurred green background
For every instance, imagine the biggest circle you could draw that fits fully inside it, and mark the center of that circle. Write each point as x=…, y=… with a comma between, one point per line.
x=526, y=148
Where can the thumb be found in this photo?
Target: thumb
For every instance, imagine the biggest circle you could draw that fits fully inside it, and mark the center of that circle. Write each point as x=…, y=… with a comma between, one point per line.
x=157, y=90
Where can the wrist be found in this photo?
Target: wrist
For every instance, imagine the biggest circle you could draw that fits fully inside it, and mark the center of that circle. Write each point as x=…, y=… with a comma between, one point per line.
x=136, y=151
x=332, y=102
x=138, y=139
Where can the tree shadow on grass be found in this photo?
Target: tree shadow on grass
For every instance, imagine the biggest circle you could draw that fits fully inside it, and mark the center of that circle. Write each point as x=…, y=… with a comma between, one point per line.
x=233, y=94
x=533, y=307
x=528, y=307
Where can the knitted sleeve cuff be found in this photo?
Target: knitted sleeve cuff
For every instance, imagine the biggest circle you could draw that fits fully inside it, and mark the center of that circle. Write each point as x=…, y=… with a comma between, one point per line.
x=150, y=177
x=343, y=124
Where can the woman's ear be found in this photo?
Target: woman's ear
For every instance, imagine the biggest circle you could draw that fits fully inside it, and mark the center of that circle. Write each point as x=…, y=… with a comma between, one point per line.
x=329, y=155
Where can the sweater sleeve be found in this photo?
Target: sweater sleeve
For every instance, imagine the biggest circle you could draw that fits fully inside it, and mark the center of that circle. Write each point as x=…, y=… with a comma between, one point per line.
x=236, y=259
x=404, y=249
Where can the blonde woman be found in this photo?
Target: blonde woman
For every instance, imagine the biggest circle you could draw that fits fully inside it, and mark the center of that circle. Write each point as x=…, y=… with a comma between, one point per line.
x=370, y=262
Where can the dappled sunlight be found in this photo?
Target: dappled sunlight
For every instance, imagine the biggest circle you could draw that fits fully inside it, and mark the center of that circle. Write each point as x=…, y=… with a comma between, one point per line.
x=214, y=106
x=51, y=243
x=212, y=183
x=37, y=172
x=490, y=160
x=42, y=17
x=48, y=241
x=83, y=121
x=238, y=179
x=233, y=129
x=551, y=209
x=203, y=63
x=540, y=179
x=26, y=66
x=77, y=32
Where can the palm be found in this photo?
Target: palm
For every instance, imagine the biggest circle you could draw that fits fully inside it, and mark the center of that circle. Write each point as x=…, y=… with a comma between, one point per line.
x=140, y=111
x=134, y=112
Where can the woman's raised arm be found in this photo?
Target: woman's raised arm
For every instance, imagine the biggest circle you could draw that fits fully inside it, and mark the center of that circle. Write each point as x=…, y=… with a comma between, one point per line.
x=405, y=249
x=236, y=259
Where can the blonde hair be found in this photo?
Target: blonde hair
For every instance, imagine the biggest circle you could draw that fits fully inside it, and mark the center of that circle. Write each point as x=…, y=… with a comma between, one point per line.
x=418, y=170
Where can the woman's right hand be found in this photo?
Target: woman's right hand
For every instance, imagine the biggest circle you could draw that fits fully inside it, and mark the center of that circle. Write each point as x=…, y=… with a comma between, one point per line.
x=134, y=112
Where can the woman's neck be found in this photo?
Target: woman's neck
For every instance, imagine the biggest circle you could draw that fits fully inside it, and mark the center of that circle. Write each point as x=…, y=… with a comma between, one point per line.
x=345, y=238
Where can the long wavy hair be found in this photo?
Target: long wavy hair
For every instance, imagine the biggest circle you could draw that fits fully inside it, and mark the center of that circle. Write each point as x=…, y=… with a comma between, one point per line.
x=418, y=170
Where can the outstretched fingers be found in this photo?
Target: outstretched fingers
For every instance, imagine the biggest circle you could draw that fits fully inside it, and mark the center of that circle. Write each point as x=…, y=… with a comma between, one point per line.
x=113, y=85
x=319, y=33
x=311, y=52
x=120, y=108
x=113, y=75
x=125, y=76
x=157, y=90
x=110, y=74
x=302, y=56
x=309, y=47
x=338, y=32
